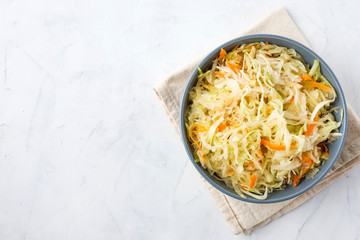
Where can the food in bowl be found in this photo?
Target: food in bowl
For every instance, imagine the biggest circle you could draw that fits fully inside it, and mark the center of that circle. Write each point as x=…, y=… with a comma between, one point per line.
x=260, y=118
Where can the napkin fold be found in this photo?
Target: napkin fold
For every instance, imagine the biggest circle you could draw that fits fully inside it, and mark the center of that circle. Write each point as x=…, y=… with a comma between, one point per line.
x=243, y=217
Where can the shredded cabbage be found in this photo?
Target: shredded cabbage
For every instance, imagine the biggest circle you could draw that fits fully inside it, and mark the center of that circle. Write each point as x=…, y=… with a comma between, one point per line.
x=259, y=118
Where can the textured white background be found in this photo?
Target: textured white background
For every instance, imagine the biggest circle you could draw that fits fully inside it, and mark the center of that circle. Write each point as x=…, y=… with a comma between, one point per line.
x=86, y=150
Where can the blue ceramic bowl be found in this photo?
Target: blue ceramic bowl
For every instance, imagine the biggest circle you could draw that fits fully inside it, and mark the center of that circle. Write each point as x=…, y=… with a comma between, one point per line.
x=334, y=148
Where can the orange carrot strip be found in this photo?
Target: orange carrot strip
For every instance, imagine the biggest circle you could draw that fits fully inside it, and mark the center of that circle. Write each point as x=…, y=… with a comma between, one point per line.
x=303, y=172
x=221, y=127
x=232, y=66
x=197, y=131
x=202, y=156
x=306, y=158
x=252, y=181
x=222, y=54
x=296, y=180
x=321, y=86
x=267, y=43
x=250, y=167
x=197, y=144
x=259, y=152
x=311, y=126
x=307, y=78
x=312, y=84
x=220, y=74
x=325, y=150
x=309, y=130
x=292, y=99
x=309, y=163
x=268, y=110
x=201, y=128
x=235, y=47
x=273, y=146
x=230, y=173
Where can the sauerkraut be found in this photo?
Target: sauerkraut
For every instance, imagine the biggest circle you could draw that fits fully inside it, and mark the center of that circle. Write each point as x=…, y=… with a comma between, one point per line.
x=260, y=119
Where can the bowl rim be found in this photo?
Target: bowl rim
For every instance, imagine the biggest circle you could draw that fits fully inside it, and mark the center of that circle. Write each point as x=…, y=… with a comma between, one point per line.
x=200, y=169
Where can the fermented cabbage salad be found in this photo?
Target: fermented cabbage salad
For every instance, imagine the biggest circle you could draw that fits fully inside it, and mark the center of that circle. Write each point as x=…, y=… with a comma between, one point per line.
x=259, y=119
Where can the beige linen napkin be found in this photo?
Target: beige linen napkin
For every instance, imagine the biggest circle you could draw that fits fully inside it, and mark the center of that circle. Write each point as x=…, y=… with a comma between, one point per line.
x=243, y=217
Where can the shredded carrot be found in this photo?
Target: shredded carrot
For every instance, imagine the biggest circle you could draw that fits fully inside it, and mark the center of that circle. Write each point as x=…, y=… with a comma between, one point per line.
x=242, y=186
x=267, y=43
x=268, y=110
x=306, y=169
x=307, y=78
x=221, y=127
x=222, y=54
x=273, y=146
x=235, y=47
x=219, y=74
x=230, y=173
x=309, y=129
x=321, y=86
x=296, y=180
x=308, y=164
x=312, y=84
x=197, y=144
x=200, y=128
x=292, y=99
x=252, y=181
x=311, y=126
x=217, y=117
x=197, y=131
x=202, y=156
x=305, y=158
x=324, y=149
x=255, y=46
x=259, y=152
x=250, y=165
x=232, y=66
